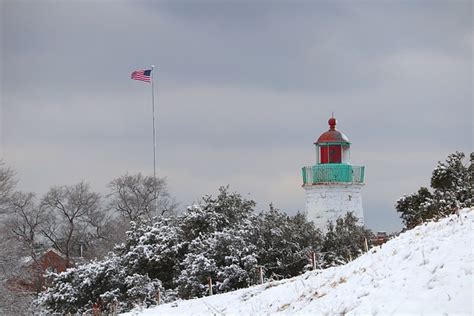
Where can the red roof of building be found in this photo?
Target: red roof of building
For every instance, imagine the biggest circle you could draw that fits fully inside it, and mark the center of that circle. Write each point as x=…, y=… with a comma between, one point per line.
x=333, y=135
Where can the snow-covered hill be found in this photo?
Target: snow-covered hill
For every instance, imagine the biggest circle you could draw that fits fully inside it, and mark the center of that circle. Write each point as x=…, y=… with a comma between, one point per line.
x=428, y=270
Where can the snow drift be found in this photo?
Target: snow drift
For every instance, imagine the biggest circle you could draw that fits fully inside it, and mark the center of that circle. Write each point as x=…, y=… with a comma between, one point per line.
x=426, y=270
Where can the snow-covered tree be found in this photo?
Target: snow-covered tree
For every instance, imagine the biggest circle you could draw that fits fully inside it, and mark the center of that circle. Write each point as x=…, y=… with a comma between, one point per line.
x=344, y=240
x=416, y=207
x=128, y=277
x=227, y=257
x=13, y=299
x=220, y=237
x=228, y=249
x=451, y=181
x=154, y=250
x=284, y=242
x=7, y=186
x=13, y=250
x=215, y=214
x=451, y=184
x=218, y=231
x=107, y=282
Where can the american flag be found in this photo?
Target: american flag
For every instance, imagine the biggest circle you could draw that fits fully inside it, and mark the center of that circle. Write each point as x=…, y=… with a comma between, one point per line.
x=142, y=75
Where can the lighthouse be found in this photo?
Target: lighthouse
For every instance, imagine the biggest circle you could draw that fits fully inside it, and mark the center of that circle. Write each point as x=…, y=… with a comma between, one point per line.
x=333, y=185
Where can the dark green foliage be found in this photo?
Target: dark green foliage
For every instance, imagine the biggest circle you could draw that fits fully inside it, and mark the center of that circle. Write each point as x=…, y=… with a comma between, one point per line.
x=450, y=175
x=154, y=250
x=221, y=238
x=415, y=208
x=106, y=281
x=226, y=257
x=451, y=184
x=344, y=241
x=215, y=214
x=218, y=232
x=230, y=252
x=284, y=243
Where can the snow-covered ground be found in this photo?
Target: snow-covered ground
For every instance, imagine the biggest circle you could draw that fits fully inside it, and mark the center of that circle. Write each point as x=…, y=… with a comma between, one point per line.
x=428, y=270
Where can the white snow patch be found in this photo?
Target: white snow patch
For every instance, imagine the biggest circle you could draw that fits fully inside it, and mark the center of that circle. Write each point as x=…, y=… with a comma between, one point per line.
x=427, y=270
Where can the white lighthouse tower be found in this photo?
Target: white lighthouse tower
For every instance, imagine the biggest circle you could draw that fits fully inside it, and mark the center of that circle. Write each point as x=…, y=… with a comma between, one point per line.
x=332, y=186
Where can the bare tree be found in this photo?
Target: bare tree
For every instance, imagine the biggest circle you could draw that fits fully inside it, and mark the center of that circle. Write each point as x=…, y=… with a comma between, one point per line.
x=137, y=196
x=73, y=218
x=7, y=186
x=13, y=299
x=22, y=229
x=25, y=220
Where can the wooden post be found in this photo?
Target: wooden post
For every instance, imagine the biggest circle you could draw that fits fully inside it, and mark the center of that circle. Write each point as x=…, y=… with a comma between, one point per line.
x=260, y=274
x=114, y=307
x=210, y=285
x=349, y=253
x=158, y=296
x=313, y=260
x=96, y=309
x=366, y=244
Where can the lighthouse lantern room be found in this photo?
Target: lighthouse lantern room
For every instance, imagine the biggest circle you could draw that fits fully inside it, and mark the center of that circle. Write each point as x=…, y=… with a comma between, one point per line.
x=333, y=185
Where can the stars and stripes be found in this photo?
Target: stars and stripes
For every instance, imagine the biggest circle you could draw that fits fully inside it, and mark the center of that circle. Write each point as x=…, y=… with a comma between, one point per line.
x=142, y=75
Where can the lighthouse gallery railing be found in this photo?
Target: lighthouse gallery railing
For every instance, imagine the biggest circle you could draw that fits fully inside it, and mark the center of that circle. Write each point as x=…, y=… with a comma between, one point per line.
x=332, y=173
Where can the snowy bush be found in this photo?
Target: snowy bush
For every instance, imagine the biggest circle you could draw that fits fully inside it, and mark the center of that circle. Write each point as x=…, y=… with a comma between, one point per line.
x=218, y=233
x=226, y=257
x=215, y=214
x=344, y=240
x=451, y=190
x=285, y=242
x=106, y=282
x=154, y=250
x=221, y=238
x=230, y=252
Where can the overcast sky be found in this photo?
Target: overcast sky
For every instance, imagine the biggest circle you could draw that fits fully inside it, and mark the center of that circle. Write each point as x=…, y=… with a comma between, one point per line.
x=243, y=89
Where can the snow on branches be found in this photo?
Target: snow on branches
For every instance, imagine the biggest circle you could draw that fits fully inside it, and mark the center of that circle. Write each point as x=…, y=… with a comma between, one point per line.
x=220, y=239
x=451, y=184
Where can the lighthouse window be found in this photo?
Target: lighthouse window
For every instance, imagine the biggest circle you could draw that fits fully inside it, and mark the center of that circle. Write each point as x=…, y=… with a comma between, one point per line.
x=331, y=154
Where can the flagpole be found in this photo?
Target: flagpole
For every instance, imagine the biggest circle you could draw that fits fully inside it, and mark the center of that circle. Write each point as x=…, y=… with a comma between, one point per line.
x=154, y=134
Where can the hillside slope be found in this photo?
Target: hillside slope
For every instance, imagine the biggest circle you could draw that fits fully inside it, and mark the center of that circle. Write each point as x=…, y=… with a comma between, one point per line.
x=426, y=270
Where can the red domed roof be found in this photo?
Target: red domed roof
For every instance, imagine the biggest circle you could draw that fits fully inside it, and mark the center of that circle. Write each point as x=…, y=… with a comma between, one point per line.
x=333, y=135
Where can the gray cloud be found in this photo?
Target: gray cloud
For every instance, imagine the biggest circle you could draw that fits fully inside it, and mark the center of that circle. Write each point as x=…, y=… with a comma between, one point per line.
x=243, y=90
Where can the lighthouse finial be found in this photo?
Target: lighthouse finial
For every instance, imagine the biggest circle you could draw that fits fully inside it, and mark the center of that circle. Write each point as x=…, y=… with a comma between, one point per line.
x=332, y=123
